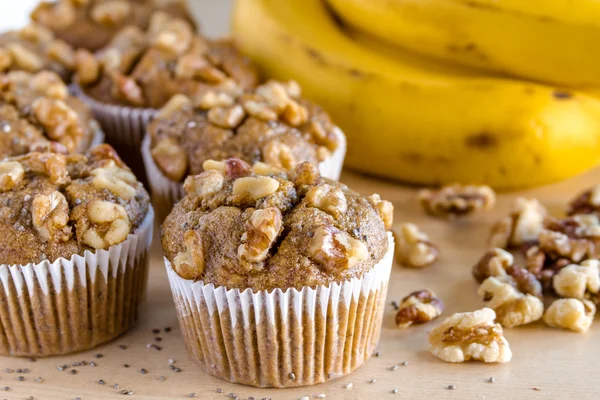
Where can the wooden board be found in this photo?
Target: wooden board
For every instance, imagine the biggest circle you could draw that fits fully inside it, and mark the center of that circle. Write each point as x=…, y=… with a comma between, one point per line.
x=561, y=364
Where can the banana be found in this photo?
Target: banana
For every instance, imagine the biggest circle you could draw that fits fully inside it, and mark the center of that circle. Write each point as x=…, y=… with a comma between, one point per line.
x=554, y=41
x=407, y=121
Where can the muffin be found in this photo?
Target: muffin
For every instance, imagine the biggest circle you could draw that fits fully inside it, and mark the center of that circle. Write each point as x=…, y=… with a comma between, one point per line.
x=37, y=113
x=270, y=124
x=33, y=49
x=261, y=262
x=138, y=72
x=74, y=236
x=91, y=24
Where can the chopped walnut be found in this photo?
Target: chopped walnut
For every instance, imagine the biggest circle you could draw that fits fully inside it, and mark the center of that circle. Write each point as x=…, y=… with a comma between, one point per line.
x=5, y=59
x=252, y=188
x=104, y=152
x=336, y=250
x=176, y=103
x=11, y=174
x=24, y=58
x=577, y=280
x=87, y=67
x=327, y=198
x=127, y=89
x=278, y=154
x=212, y=98
x=189, y=264
x=231, y=168
x=260, y=110
x=470, y=336
x=120, y=181
x=413, y=247
x=418, y=307
x=494, y=262
x=107, y=224
x=171, y=158
x=49, y=84
x=226, y=117
x=586, y=203
x=306, y=174
x=207, y=183
x=60, y=121
x=174, y=36
x=384, y=208
x=574, y=238
x=323, y=136
x=261, y=168
x=61, y=52
x=574, y=314
x=512, y=307
x=50, y=216
x=521, y=227
x=111, y=12
x=262, y=228
x=457, y=200
x=52, y=165
x=36, y=33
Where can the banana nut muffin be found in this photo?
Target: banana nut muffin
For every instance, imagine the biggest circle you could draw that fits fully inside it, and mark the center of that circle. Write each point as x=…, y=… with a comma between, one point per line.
x=54, y=205
x=271, y=124
x=38, y=113
x=90, y=24
x=34, y=48
x=255, y=227
x=144, y=69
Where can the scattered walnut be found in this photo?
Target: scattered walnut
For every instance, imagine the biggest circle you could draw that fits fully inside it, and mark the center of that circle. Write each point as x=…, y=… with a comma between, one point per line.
x=50, y=216
x=521, y=227
x=189, y=264
x=575, y=280
x=107, y=224
x=49, y=84
x=512, y=307
x=418, y=307
x=254, y=187
x=278, y=154
x=61, y=52
x=457, y=200
x=87, y=67
x=11, y=174
x=574, y=238
x=176, y=103
x=226, y=117
x=24, y=58
x=120, y=181
x=111, y=13
x=327, y=198
x=60, y=121
x=470, y=336
x=413, y=247
x=306, y=174
x=335, y=250
x=384, y=208
x=207, y=183
x=262, y=228
x=231, y=168
x=586, y=203
x=171, y=158
x=574, y=314
x=494, y=262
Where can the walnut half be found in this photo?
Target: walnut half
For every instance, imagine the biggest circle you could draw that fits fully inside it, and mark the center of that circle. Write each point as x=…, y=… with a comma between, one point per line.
x=574, y=314
x=418, y=307
x=262, y=228
x=457, y=200
x=413, y=247
x=106, y=224
x=11, y=174
x=521, y=227
x=50, y=216
x=189, y=263
x=336, y=250
x=576, y=280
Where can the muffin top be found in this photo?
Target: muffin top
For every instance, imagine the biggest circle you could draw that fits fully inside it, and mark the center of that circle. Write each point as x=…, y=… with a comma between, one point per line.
x=270, y=124
x=53, y=205
x=255, y=227
x=90, y=24
x=38, y=114
x=34, y=48
x=145, y=69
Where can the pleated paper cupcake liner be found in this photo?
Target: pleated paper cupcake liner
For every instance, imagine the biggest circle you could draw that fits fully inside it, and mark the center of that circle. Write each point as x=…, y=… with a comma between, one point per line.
x=166, y=192
x=283, y=338
x=74, y=304
x=124, y=128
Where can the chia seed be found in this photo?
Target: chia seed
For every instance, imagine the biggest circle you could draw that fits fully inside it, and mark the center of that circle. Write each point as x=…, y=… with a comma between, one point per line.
x=292, y=376
x=168, y=329
x=193, y=395
x=156, y=331
x=219, y=390
x=101, y=382
x=39, y=379
x=373, y=381
x=73, y=372
x=162, y=378
x=122, y=347
x=20, y=378
x=393, y=367
x=451, y=387
x=395, y=391
x=143, y=371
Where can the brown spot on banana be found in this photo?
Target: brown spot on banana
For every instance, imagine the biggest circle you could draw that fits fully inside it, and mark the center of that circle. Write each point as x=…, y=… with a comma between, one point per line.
x=483, y=141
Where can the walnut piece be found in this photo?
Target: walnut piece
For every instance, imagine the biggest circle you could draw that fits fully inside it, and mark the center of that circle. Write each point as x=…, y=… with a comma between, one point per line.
x=213, y=98
x=228, y=117
x=413, y=247
x=384, y=208
x=419, y=307
x=36, y=33
x=512, y=307
x=231, y=168
x=11, y=174
x=207, y=183
x=174, y=36
x=252, y=188
x=457, y=200
x=175, y=104
x=336, y=250
x=120, y=181
x=494, y=262
x=171, y=158
x=574, y=314
x=574, y=238
x=50, y=216
x=52, y=165
x=521, y=227
x=586, y=203
x=5, y=59
x=261, y=168
x=59, y=120
x=262, y=228
x=306, y=174
x=49, y=84
x=189, y=264
x=278, y=154
x=327, y=198
x=577, y=280
x=87, y=67
x=110, y=13
x=470, y=336
x=107, y=224
x=24, y=58
x=61, y=52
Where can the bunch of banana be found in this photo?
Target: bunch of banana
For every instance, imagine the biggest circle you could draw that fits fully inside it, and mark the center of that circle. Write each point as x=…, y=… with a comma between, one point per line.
x=414, y=119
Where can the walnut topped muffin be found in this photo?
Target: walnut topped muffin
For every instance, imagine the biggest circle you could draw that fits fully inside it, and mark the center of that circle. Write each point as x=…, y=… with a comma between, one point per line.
x=34, y=48
x=260, y=228
x=144, y=69
x=37, y=113
x=54, y=206
x=90, y=24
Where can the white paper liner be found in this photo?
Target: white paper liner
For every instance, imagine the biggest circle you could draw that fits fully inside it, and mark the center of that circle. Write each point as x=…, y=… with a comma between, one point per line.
x=98, y=137
x=74, y=304
x=262, y=338
x=165, y=192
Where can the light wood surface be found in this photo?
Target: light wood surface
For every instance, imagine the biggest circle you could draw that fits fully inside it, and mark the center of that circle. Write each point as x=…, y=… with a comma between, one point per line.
x=561, y=364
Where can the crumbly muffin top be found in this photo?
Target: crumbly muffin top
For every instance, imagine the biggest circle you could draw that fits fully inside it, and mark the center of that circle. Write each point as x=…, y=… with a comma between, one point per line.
x=90, y=24
x=53, y=206
x=271, y=124
x=38, y=114
x=33, y=49
x=255, y=227
x=145, y=69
